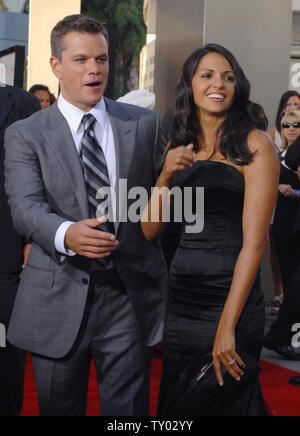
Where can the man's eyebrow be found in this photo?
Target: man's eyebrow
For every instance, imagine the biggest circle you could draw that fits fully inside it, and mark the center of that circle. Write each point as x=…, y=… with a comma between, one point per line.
x=81, y=55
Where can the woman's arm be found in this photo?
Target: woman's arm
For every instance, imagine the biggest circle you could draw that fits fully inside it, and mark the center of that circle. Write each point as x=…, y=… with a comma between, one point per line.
x=261, y=189
x=152, y=221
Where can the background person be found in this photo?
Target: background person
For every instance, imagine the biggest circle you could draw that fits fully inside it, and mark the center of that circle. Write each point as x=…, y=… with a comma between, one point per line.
x=287, y=202
x=289, y=101
x=52, y=98
x=43, y=94
x=139, y=97
x=15, y=104
x=286, y=205
x=215, y=299
x=279, y=338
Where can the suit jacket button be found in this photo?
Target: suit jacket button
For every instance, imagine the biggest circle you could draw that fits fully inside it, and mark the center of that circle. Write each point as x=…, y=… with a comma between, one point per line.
x=85, y=281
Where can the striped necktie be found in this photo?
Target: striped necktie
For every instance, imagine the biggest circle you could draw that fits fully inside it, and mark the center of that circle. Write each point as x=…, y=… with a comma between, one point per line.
x=95, y=172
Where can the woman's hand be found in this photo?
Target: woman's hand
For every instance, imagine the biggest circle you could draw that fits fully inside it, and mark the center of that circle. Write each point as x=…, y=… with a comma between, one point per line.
x=178, y=159
x=224, y=353
x=287, y=191
x=152, y=220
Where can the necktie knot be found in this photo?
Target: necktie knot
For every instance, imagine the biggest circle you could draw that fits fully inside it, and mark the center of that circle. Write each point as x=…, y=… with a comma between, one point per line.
x=88, y=121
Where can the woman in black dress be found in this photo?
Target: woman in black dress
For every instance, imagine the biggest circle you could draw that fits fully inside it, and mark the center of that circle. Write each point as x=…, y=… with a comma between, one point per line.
x=215, y=300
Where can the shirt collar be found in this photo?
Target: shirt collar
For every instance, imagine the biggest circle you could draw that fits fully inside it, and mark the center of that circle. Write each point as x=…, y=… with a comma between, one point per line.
x=74, y=115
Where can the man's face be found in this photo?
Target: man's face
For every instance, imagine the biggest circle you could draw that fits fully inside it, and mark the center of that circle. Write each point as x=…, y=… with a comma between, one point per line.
x=83, y=69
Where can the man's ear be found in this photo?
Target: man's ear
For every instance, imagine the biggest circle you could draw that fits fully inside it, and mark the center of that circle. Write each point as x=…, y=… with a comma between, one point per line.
x=56, y=66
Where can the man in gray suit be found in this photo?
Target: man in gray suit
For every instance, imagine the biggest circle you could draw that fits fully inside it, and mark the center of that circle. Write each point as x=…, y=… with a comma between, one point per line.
x=87, y=291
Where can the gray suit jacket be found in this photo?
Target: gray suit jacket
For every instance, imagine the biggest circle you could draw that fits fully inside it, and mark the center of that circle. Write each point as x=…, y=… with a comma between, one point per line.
x=45, y=186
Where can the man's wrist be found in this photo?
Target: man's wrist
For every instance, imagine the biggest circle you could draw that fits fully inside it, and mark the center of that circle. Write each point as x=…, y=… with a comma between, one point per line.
x=60, y=239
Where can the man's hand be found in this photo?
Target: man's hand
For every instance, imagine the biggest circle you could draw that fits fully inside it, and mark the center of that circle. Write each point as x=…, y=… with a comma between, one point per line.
x=27, y=250
x=83, y=239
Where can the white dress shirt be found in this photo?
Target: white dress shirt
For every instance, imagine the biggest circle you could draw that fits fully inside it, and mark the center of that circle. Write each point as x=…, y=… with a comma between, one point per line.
x=104, y=136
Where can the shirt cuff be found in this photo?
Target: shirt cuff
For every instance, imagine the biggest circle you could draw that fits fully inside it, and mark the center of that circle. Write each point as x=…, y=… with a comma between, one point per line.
x=60, y=239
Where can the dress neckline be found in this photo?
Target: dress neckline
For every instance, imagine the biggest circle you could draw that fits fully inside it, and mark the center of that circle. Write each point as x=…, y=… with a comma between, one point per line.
x=222, y=163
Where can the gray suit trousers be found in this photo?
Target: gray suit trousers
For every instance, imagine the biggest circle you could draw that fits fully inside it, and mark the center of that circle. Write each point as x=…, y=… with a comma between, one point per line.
x=109, y=335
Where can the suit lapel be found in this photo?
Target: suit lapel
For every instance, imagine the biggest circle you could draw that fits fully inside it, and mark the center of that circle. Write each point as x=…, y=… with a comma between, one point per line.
x=60, y=139
x=6, y=104
x=124, y=131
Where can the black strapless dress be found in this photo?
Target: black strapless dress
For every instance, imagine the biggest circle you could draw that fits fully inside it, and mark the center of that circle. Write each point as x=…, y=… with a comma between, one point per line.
x=200, y=279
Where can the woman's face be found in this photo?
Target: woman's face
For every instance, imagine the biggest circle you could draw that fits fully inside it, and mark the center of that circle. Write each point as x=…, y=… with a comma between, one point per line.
x=213, y=84
x=292, y=104
x=290, y=129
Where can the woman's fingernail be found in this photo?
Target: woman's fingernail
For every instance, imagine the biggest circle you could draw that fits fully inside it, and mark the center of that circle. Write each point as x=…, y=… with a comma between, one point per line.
x=221, y=383
x=238, y=379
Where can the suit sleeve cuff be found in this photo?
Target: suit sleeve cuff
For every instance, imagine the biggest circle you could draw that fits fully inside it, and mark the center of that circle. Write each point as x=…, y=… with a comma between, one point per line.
x=60, y=239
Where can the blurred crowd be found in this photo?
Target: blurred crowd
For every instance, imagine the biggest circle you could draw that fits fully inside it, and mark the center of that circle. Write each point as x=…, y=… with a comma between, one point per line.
x=284, y=230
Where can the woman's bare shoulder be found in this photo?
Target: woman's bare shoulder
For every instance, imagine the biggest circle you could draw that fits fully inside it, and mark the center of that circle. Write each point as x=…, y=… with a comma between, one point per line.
x=259, y=142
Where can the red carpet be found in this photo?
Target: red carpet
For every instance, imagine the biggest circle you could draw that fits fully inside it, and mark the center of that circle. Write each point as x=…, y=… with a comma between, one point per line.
x=281, y=398
x=30, y=407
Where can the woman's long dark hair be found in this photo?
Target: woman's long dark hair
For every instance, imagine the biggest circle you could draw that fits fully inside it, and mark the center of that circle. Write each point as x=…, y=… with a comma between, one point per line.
x=242, y=116
x=282, y=104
